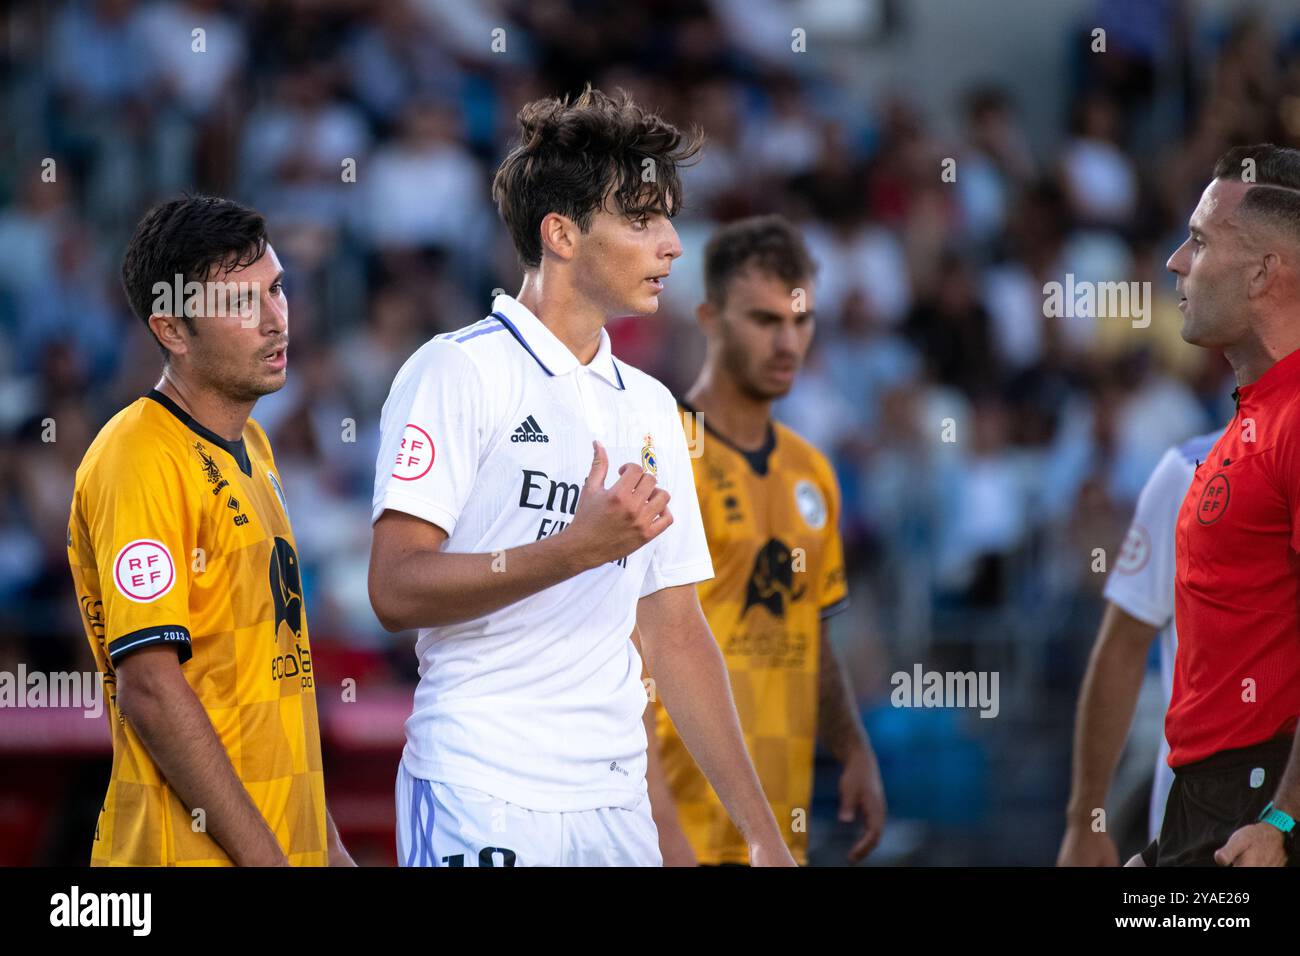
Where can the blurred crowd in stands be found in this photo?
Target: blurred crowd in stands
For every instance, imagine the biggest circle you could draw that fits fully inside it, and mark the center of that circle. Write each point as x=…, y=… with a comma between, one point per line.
x=984, y=448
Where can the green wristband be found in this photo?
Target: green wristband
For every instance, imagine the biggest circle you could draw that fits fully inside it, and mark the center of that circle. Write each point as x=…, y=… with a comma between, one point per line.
x=1277, y=818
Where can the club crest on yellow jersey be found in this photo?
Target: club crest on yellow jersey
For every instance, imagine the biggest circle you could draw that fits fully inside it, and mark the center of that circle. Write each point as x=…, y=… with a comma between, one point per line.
x=811, y=504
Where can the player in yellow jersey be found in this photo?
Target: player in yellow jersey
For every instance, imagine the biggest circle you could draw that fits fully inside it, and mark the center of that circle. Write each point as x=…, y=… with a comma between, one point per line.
x=186, y=570
x=770, y=504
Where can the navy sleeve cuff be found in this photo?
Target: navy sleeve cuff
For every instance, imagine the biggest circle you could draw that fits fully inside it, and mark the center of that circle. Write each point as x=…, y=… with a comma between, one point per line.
x=172, y=634
x=831, y=610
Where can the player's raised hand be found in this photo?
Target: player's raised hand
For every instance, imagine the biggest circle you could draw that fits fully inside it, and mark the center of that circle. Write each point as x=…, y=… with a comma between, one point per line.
x=610, y=523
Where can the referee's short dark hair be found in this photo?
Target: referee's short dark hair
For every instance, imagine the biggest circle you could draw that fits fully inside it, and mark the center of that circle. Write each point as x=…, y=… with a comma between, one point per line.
x=769, y=244
x=1273, y=174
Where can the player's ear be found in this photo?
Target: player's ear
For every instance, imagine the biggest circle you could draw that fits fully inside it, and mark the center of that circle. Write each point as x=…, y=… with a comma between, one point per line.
x=706, y=313
x=167, y=330
x=1263, y=274
x=559, y=235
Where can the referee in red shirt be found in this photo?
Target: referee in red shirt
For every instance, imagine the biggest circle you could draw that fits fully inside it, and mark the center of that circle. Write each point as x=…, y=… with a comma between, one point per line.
x=1231, y=723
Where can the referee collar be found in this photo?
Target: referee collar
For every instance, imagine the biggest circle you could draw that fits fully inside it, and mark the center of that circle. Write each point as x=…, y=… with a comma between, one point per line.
x=548, y=351
x=1283, y=374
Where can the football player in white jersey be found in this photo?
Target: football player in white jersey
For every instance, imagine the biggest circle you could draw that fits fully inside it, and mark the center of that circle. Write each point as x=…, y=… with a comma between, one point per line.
x=526, y=566
x=1139, y=605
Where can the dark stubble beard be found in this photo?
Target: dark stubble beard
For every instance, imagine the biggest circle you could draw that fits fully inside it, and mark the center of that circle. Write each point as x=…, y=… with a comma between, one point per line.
x=733, y=358
x=238, y=390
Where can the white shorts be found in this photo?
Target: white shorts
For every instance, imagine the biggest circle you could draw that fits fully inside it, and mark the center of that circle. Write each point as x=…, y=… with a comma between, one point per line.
x=440, y=825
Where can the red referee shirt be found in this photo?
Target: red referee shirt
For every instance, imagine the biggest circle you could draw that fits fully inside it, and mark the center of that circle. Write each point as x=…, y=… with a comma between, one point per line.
x=1237, y=593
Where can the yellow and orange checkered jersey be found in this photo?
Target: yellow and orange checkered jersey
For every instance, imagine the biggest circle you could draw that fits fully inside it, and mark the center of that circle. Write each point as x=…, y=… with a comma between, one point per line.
x=182, y=538
x=770, y=517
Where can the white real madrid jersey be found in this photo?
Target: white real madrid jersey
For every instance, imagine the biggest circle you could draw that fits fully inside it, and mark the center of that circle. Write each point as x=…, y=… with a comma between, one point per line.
x=487, y=433
x=1142, y=583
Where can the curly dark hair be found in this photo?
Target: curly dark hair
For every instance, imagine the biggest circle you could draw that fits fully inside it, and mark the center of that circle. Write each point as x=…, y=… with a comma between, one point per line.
x=196, y=237
x=572, y=156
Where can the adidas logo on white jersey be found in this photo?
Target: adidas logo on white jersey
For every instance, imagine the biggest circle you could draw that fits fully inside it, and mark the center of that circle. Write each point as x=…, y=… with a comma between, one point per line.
x=529, y=430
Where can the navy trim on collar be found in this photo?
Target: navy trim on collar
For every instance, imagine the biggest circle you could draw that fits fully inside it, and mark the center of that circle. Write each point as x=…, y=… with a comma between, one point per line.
x=617, y=374
x=235, y=449
x=758, y=459
x=515, y=332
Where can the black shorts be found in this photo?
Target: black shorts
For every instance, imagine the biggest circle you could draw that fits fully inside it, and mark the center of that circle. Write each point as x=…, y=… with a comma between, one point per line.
x=1213, y=798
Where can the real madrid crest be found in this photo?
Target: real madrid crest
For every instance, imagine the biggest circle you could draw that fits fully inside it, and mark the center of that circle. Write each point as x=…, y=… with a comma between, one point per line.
x=648, y=460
